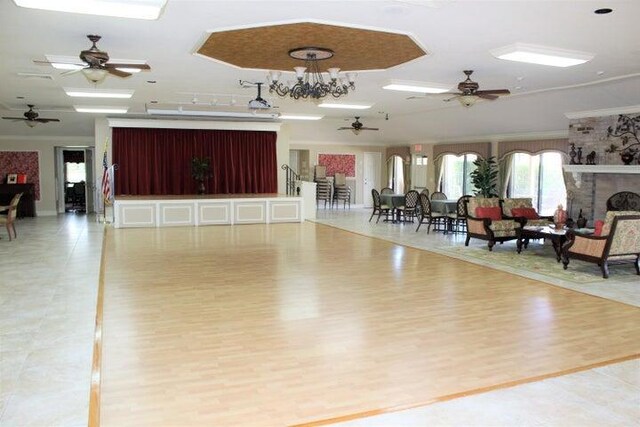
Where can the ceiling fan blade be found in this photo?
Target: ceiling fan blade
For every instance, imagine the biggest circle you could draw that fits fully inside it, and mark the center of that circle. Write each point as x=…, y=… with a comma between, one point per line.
x=46, y=120
x=68, y=73
x=486, y=96
x=40, y=62
x=369, y=129
x=492, y=92
x=136, y=66
x=118, y=73
x=453, y=97
x=345, y=128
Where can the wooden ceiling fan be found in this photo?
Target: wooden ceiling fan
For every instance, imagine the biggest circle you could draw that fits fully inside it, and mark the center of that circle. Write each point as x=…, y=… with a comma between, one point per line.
x=31, y=118
x=469, y=92
x=356, y=127
x=95, y=64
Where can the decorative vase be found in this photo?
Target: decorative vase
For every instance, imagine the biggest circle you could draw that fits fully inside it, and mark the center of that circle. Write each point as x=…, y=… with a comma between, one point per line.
x=560, y=217
x=626, y=158
x=201, y=189
x=581, y=222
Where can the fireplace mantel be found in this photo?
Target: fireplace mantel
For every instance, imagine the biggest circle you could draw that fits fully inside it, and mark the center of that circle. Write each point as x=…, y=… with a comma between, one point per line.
x=617, y=169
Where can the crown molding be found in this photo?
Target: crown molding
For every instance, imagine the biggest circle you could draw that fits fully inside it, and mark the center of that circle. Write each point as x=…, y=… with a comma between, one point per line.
x=603, y=112
x=62, y=138
x=192, y=124
x=520, y=136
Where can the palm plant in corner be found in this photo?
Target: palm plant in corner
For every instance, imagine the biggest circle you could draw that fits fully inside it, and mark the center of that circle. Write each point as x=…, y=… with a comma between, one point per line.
x=201, y=170
x=485, y=177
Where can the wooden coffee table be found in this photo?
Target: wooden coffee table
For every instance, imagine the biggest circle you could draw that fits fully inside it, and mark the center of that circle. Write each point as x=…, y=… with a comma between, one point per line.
x=557, y=237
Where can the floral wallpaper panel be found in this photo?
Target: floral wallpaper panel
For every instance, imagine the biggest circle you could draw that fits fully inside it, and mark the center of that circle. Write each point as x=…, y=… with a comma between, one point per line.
x=340, y=163
x=25, y=162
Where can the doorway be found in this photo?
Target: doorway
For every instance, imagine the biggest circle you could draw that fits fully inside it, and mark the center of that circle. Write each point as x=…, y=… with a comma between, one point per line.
x=74, y=179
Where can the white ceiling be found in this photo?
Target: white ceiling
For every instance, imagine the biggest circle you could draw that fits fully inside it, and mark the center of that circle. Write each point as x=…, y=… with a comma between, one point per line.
x=457, y=34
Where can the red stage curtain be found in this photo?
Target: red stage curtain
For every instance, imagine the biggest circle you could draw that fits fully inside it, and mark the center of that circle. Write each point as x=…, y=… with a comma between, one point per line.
x=158, y=161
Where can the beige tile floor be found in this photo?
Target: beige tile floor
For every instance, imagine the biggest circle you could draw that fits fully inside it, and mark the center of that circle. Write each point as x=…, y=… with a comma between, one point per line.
x=48, y=283
x=49, y=278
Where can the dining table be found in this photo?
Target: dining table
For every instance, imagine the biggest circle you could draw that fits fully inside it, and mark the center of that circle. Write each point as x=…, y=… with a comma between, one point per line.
x=445, y=207
x=393, y=201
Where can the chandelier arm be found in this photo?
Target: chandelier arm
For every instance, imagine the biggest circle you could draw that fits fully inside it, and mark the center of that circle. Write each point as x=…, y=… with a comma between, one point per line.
x=310, y=81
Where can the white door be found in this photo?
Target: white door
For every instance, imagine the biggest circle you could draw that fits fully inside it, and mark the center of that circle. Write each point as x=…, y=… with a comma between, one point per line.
x=371, y=176
x=90, y=186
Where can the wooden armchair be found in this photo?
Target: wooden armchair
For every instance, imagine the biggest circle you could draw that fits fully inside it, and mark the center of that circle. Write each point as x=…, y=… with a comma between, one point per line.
x=484, y=221
x=521, y=210
x=11, y=214
x=619, y=243
x=624, y=201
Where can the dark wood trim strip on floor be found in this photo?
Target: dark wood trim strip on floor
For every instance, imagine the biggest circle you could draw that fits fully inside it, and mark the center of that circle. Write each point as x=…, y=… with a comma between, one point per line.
x=375, y=412
x=96, y=365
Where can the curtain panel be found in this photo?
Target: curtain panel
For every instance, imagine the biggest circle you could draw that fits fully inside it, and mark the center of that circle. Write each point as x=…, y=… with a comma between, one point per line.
x=533, y=147
x=69, y=156
x=482, y=149
x=158, y=161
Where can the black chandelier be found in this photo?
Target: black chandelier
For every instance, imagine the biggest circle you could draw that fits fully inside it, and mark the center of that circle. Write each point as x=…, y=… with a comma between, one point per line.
x=310, y=83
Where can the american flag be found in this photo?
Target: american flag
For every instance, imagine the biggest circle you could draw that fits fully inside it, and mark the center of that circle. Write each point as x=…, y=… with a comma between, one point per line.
x=106, y=177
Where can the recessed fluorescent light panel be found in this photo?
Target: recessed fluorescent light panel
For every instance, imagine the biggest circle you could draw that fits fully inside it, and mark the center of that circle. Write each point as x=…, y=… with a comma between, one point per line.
x=105, y=110
x=345, y=106
x=541, y=55
x=137, y=9
x=286, y=116
x=179, y=110
x=418, y=87
x=98, y=93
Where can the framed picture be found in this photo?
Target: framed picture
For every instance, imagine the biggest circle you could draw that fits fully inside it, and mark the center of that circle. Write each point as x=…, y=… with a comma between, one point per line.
x=12, y=178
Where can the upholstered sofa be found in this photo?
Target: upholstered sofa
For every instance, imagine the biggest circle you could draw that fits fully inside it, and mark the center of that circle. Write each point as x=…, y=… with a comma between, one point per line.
x=521, y=209
x=488, y=224
x=618, y=243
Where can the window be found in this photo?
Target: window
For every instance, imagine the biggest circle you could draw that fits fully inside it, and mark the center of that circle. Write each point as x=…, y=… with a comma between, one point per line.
x=539, y=177
x=395, y=174
x=456, y=175
x=76, y=172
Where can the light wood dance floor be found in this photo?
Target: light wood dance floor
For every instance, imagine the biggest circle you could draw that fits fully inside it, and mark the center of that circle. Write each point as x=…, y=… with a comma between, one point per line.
x=260, y=325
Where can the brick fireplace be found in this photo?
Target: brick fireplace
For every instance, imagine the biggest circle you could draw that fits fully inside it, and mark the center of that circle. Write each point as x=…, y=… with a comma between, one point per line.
x=589, y=186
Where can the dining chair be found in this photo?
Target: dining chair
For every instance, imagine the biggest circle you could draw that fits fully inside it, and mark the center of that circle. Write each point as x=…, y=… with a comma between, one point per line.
x=378, y=207
x=426, y=214
x=323, y=192
x=12, y=213
x=458, y=219
x=410, y=206
x=438, y=195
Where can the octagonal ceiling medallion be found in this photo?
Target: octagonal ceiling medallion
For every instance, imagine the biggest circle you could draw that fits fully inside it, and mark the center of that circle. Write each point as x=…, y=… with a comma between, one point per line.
x=267, y=47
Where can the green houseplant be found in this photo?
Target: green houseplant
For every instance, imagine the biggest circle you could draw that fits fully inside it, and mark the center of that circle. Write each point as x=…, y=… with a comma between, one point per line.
x=485, y=177
x=201, y=170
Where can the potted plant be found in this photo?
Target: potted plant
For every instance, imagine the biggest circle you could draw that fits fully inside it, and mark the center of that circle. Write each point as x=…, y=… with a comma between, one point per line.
x=627, y=130
x=200, y=170
x=485, y=177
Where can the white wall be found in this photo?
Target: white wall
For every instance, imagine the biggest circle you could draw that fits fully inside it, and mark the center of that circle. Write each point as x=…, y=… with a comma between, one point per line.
x=45, y=146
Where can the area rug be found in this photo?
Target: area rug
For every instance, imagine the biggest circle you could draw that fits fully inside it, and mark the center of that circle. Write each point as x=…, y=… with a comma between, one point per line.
x=537, y=259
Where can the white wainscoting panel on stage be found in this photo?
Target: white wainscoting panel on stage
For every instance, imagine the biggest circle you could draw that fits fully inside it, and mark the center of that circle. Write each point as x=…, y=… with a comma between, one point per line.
x=174, y=211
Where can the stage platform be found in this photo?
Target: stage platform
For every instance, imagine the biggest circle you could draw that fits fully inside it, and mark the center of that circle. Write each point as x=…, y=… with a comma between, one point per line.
x=209, y=209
